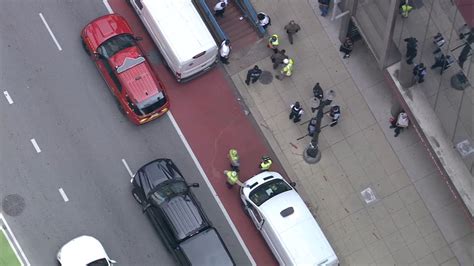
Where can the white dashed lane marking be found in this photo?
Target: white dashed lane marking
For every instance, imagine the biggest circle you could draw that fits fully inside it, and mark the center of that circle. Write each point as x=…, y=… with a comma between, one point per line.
x=63, y=194
x=128, y=168
x=9, y=99
x=35, y=144
x=50, y=32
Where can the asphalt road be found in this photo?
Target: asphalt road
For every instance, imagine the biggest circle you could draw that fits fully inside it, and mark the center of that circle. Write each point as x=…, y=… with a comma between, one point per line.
x=62, y=103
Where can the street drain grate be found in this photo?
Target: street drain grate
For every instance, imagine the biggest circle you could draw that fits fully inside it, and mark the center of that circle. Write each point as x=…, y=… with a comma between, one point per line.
x=13, y=204
x=266, y=77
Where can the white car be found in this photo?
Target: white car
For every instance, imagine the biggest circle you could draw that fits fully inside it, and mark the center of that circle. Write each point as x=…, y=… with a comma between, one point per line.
x=84, y=251
x=285, y=221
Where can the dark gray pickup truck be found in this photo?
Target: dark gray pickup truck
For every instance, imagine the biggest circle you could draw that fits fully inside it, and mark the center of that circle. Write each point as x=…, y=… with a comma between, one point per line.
x=166, y=198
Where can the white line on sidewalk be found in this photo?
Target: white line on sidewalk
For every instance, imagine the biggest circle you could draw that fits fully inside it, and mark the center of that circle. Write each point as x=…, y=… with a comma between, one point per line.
x=208, y=183
x=25, y=261
x=106, y=4
x=50, y=32
x=128, y=168
x=63, y=194
x=9, y=99
x=37, y=148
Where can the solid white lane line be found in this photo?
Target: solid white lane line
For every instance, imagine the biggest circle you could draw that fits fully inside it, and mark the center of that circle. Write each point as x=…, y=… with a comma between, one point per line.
x=106, y=4
x=50, y=32
x=9, y=99
x=37, y=148
x=63, y=194
x=128, y=168
x=208, y=183
x=25, y=261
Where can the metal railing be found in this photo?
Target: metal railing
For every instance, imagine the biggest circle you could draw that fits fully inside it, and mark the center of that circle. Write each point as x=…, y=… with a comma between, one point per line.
x=251, y=15
x=208, y=16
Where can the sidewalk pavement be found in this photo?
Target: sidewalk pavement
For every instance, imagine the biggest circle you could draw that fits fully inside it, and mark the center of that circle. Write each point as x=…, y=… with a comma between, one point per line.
x=415, y=219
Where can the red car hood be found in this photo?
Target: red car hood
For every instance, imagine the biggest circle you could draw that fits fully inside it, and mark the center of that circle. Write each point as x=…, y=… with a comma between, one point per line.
x=104, y=28
x=138, y=81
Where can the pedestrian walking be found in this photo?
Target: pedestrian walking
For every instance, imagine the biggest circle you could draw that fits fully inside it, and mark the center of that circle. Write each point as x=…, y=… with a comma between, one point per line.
x=312, y=126
x=273, y=42
x=224, y=51
x=324, y=7
x=411, y=49
x=277, y=58
x=234, y=160
x=265, y=164
x=232, y=179
x=334, y=114
x=295, y=112
x=399, y=123
x=405, y=8
x=442, y=61
x=287, y=70
x=346, y=47
x=291, y=28
x=219, y=9
x=419, y=72
x=263, y=20
x=253, y=75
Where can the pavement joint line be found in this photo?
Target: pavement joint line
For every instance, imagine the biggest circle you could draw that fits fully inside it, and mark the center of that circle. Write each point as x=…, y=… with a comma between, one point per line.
x=50, y=31
x=63, y=194
x=13, y=242
x=107, y=5
x=9, y=99
x=35, y=144
x=211, y=188
x=128, y=168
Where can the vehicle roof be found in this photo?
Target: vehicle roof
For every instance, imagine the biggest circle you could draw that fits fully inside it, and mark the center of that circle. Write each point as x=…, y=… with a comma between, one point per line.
x=206, y=248
x=157, y=172
x=103, y=28
x=81, y=251
x=139, y=80
x=299, y=232
x=185, y=30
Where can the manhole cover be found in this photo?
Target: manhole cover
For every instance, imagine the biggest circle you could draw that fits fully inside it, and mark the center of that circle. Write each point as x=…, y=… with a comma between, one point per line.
x=13, y=204
x=266, y=77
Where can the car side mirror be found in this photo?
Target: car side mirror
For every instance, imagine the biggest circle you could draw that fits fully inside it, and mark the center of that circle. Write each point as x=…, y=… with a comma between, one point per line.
x=137, y=38
x=293, y=184
x=194, y=185
x=148, y=205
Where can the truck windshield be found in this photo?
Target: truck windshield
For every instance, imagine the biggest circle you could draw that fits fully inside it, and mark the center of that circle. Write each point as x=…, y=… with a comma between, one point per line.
x=268, y=190
x=115, y=44
x=151, y=103
x=168, y=191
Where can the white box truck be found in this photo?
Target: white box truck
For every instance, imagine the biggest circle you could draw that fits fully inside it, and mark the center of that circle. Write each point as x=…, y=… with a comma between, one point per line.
x=180, y=34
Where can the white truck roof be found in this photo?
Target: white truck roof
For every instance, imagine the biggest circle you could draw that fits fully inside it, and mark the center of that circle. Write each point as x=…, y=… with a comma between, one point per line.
x=182, y=27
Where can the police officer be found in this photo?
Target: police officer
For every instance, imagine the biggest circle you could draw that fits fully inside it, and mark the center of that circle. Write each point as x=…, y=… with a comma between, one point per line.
x=234, y=160
x=253, y=74
x=419, y=72
x=266, y=163
x=405, y=8
x=273, y=43
x=263, y=20
x=295, y=112
x=232, y=178
x=224, y=51
x=219, y=9
x=335, y=114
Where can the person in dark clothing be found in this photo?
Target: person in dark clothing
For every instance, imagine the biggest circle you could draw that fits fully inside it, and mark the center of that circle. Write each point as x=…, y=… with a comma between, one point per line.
x=253, y=75
x=278, y=57
x=263, y=20
x=318, y=97
x=419, y=72
x=295, y=112
x=335, y=114
x=292, y=28
x=324, y=7
x=411, y=49
x=442, y=61
x=347, y=47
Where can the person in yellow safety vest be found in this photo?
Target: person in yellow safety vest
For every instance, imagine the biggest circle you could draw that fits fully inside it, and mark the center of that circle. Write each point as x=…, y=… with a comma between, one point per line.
x=273, y=43
x=405, y=8
x=234, y=160
x=232, y=179
x=266, y=163
x=287, y=70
